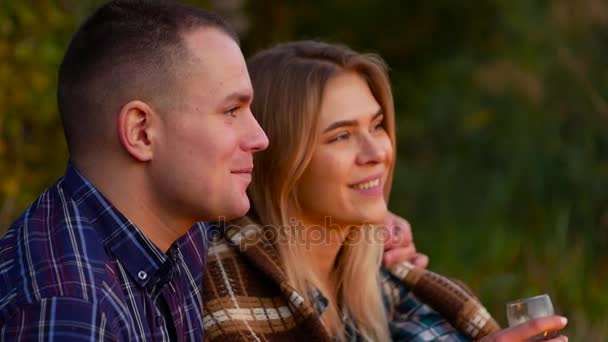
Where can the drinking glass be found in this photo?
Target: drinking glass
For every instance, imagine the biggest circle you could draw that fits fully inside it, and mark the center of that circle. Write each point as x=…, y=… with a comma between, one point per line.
x=523, y=310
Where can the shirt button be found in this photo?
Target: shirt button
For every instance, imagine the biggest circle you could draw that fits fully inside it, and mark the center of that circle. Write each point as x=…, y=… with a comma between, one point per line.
x=142, y=275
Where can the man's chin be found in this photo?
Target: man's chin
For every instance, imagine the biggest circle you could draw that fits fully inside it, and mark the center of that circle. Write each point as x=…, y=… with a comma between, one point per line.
x=239, y=210
x=225, y=214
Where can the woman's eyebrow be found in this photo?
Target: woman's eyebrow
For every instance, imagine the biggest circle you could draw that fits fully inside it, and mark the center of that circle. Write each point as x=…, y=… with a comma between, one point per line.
x=350, y=123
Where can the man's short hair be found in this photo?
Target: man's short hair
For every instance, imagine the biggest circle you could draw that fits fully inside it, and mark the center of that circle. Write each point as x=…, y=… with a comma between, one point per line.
x=127, y=50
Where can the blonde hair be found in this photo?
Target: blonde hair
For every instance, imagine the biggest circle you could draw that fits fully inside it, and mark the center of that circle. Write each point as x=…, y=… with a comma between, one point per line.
x=289, y=81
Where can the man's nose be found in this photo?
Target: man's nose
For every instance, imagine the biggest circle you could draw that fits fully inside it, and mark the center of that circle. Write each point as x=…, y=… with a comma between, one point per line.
x=256, y=139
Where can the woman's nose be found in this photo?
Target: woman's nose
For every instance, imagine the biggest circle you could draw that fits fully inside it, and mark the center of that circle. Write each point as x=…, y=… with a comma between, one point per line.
x=372, y=150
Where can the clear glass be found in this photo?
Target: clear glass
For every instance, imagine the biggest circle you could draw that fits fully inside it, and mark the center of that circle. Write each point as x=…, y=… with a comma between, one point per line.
x=523, y=310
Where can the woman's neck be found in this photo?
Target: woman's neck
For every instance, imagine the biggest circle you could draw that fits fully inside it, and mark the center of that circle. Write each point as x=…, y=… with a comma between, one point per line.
x=322, y=246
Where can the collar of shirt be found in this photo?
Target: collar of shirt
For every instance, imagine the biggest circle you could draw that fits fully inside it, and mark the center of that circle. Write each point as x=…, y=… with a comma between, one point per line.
x=144, y=262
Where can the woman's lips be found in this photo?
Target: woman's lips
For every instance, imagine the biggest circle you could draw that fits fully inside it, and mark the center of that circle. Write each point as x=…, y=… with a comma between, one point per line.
x=371, y=186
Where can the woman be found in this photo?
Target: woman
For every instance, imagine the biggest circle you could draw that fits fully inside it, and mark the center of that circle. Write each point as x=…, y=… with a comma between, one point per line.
x=304, y=264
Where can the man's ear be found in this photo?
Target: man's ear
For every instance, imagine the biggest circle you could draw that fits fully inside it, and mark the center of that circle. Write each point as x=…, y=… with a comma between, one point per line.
x=136, y=123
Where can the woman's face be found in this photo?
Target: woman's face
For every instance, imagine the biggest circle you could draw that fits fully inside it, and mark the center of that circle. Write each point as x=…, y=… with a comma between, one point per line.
x=344, y=181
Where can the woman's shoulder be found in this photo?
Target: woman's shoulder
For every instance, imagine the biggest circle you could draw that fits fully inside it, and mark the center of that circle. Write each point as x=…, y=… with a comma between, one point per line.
x=238, y=251
x=410, y=318
x=393, y=289
x=428, y=296
x=246, y=291
x=239, y=238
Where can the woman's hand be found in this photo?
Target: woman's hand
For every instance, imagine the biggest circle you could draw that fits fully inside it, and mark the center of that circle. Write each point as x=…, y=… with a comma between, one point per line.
x=399, y=243
x=529, y=329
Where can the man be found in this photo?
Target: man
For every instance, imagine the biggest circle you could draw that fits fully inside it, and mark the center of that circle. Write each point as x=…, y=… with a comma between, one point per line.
x=154, y=98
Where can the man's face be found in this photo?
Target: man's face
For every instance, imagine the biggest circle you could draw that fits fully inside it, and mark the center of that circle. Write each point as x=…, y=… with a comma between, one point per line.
x=204, y=160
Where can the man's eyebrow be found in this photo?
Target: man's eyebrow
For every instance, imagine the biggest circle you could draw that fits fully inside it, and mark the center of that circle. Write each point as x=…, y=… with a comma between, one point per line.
x=350, y=123
x=239, y=97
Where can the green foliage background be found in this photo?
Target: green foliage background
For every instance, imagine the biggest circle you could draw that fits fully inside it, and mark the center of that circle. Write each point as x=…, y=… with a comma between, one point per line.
x=502, y=118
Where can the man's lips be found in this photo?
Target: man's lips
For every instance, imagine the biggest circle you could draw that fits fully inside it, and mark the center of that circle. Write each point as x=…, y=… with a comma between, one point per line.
x=243, y=170
x=244, y=174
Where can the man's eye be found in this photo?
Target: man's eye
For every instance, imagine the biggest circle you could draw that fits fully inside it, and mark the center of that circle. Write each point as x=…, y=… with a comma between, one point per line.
x=232, y=111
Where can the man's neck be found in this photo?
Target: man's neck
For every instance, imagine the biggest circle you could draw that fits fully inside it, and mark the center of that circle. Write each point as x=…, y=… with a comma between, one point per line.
x=135, y=200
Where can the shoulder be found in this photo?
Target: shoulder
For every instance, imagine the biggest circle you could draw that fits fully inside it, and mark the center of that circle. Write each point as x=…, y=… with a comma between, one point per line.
x=52, y=250
x=410, y=318
x=393, y=290
x=241, y=264
x=245, y=283
x=247, y=247
x=400, y=300
x=225, y=265
x=397, y=296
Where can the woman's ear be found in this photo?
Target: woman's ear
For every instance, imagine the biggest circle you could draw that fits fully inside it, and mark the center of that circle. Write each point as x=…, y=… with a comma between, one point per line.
x=136, y=122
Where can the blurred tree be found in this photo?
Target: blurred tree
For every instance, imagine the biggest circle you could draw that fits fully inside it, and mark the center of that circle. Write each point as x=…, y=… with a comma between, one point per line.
x=32, y=37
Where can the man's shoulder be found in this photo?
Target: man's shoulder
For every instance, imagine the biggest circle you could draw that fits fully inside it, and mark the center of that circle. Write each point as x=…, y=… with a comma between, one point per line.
x=52, y=250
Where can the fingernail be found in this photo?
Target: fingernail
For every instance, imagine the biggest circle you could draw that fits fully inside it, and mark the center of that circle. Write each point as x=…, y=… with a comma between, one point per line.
x=564, y=320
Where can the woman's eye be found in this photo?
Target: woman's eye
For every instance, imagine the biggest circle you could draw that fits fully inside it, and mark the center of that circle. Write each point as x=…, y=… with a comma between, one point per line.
x=378, y=124
x=339, y=137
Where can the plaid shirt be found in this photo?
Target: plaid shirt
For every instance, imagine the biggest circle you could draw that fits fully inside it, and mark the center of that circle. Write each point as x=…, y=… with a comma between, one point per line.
x=409, y=319
x=74, y=268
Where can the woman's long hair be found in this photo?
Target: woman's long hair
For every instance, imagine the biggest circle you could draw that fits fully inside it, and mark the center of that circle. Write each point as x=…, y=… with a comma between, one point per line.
x=289, y=81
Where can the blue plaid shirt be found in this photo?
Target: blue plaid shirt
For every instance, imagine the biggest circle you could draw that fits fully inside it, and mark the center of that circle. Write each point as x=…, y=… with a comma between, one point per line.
x=409, y=319
x=74, y=268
